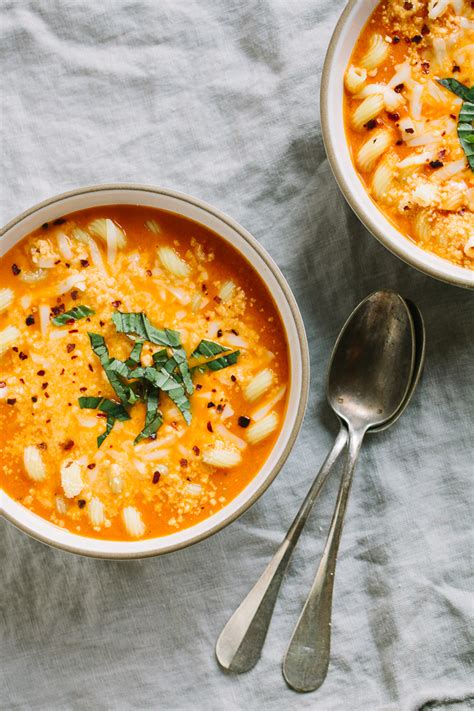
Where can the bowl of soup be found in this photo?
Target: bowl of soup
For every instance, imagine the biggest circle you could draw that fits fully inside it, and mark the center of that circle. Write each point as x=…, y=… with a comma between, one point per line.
x=153, y=371
x=397, y=106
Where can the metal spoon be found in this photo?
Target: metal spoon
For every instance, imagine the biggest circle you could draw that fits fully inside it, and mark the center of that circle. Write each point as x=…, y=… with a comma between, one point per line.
x=369, y=377
x=240, y=643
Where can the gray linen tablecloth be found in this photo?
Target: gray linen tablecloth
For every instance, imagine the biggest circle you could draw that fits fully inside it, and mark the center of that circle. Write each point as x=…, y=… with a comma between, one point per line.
x=219, y=98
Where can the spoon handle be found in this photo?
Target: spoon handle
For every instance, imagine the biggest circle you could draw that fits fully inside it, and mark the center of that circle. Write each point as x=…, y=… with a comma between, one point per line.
x=240, y=643
x=307, y=658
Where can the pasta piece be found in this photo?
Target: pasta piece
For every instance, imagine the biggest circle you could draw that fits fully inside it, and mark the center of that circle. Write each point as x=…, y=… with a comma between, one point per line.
x=383, y=176
x=60, y=504
x=422, y=226
x=415, y=101
x=105, y=230
x=436, y=8
x=226, y=291
x=153, y=226
x=133, y=522
x=116, y=479
x=6, y=299
x=263, y=428
x=8, y=338
x=373, y=149
x=425, y=194
x=265, y=409
x=34, y=465
x=43, y=254
x=367, y=110
x=34, y=276
x=455, y=195
x=44, y=318
x=80, y=235
x=172, y=262
x=440, y=52
x=258, y=385
x=194, y=489
x=377, y=52
x=221, y=455
x=96, y=512
x=71, y=479
x=64, y=246
x=469, y=247
x=76, y=281
x=355, y=78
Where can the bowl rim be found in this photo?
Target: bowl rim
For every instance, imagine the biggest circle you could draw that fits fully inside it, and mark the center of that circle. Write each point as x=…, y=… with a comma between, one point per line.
x=302, y=395
x=373, y=218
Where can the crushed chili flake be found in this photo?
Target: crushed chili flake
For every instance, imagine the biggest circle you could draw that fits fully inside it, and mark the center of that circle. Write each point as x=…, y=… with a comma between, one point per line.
x=199, y=386
x=46, y=395
x=436, y=164
x=209, y=427
x=70, y=347
x=220, y=407
x=408, y=5
x=219, y=333
x=396, y=39
x=22, y=356
x=73, y=330
x=40, y=373
x=236, y=333
x=456, y=68
x=83, y=389
x=30, y=320
x=244, y=421
x=399, y=143
x=417, y=39
x=393, y=116
x=34, y=399
x=45, y=225
x=90, y=367
x=425, y=30
x=91, y=466
x=62, y=372
x=56, y=310
x=15, y=349
x=409, y=130
x=42, y=445
x=101, y=323
x=196, y=450
x=183, y=462
x=11, y=400
x=156, y=477
x=81, y=503
x=44, y=386
x=59, y=221
x=149, y=273
x=15, y=269
x=370, y=124
x=84, y=262
x=399, y=88
x=116, y=303
x=74, y=295
x=217, y=299
x=233, y=378
x=69, y=444
x=204, y=288
x=210, y=404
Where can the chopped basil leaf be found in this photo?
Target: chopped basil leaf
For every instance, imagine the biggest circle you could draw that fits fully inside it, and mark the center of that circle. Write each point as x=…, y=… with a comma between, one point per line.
x=134, y=357
x=466, y=116
x=75, y=314
x=110, y=422
x=223, y=361
x=153, y=418
x=160, y=357
x=208, y=349
x=139, y=324
x=110, y=407
x=177, y=395
x=112, y=370
x=181, y=360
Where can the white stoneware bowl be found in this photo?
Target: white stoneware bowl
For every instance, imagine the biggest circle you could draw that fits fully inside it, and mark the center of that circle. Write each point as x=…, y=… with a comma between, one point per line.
x=247, y=245
x=348, y=29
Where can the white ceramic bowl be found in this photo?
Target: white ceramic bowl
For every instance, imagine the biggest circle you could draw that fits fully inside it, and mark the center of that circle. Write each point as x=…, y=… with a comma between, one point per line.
x=232, y=232
x=348, y=29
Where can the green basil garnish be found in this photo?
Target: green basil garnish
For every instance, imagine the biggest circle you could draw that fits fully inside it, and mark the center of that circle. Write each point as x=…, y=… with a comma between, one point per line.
x=74, y=314
x=114, y=411
x=466, y=116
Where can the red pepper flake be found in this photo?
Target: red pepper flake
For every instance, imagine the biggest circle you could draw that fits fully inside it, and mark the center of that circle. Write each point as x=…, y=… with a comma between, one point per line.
x=45, y=225
x=408, y=5
x=62, y=372
x=40, y=373
x=34, y=399
x=399, y=143
x=220, y=407
x=48, y=420
x=81, y=503
x=29, y=320
x=101, y=323
x=100, y=414
x=22, y=356
x=199, y=386
x=209, y=427
x=59, y=221
x=84, y=262
x=204, y=288
x=456, y=68
x=236, y=333
x=156, y=477
x=15, y=348
x=83, y=389
x=69, y=444
x=73, y=330
x=44, y=386
x=425, y=67
x=244, y=421
x=409, y=130
x=219, y=333
x=74, y=295
x=15, y=269
x=393, y=116
x=11, y=400
x=370, y=124
x=417, y=39
x=117, y=303
x=90, y=367
x=46, y=395
x=217, y=299
x=183, y=462
x=399, y=88
x=233, y=378
x=435, y=164
x=441, y=153
x=42, y=445
x=196, y=450
x=70, y=347
x=396, y=39
x=56, y=310
x=210, y=404
x=58, y=261
x=91, y=466
x=74, y=357
x=425, y=30
x=22, y=381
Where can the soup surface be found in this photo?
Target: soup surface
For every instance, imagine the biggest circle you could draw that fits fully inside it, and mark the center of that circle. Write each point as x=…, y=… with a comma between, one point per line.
x=412, y=137
x=143, y=372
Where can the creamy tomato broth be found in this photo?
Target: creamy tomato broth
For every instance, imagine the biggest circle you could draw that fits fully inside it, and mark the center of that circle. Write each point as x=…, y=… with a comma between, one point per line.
x=143, y=372
x=409, y=108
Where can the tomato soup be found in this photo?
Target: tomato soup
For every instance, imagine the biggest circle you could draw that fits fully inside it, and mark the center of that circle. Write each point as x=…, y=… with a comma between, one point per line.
x=143, y=372
x=409, y=111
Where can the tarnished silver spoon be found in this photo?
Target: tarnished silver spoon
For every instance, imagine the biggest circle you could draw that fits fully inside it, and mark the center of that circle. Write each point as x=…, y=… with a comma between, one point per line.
x=240, y=643
x=369, y=377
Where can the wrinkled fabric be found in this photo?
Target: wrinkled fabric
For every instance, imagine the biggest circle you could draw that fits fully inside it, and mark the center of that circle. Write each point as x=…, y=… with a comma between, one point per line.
x=219, y=98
